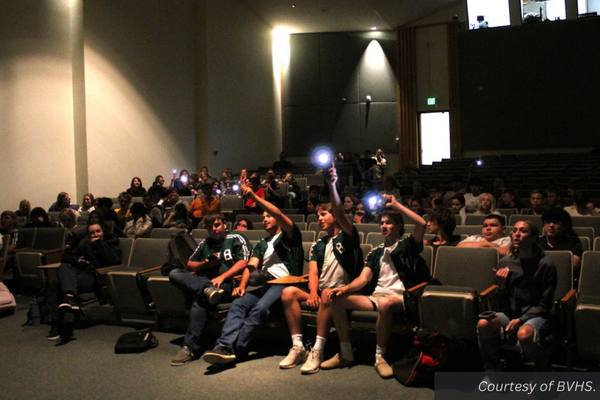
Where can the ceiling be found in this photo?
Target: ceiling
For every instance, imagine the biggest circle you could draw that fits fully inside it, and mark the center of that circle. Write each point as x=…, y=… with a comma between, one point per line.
x=309, y=16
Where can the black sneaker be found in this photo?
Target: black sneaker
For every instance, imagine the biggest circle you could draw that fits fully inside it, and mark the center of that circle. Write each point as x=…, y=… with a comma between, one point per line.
x=68, y=304
x=213, y=294
x=219, y=355
x=54, y=333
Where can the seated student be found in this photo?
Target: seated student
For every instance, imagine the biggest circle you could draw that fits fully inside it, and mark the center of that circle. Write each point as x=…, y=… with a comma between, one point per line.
x=274, y=257
x=105, y=209
x=171, y=201
x=159, y=184
x=361, y=216
x=243, y=224
x=136, y=188
x=525, y=296
x=155, y=211
x=178, y=218
x=39, y=219
x=458, y=206
x=457, y=183
x=553, y=199
x=416, y=205
x=24, y=209
x=536, y=199
x=510, y=199
x=250, y=204
x=335, y=260
x=435, y=198
x=207, y=279
x=8, y=221
x=492, y=235
x=87, y=203
x=203, y=204
x=181, y=184
x=475, y=185
x=294, y=191
x=559, y=235
x=314, y=192
x=124, y=212
x=63, y=201
x=582, y=207
x=390, y=186
x=486, y=205
x=272, y=189
x=389, y=270
x=140, y=225
x=349, y=204
x=76, y=274
x=441, y=224
x=498, y=186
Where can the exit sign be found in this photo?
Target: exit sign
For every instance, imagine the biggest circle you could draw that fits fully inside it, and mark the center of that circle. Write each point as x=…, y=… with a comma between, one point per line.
x=431, y=101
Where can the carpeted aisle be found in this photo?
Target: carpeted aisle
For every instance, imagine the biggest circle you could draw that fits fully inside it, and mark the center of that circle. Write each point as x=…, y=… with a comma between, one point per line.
x=87, y=368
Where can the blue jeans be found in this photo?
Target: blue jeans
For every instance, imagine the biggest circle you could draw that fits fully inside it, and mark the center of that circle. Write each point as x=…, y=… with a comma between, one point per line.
x=193, y=287
x=245, y=315
x=72, y=280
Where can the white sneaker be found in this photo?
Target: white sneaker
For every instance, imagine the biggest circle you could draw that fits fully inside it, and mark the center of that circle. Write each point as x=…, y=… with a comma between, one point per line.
x=296, y=356
x=313, y=364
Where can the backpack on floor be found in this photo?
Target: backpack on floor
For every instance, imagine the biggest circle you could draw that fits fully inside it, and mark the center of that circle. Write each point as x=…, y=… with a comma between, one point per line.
x=181, y=248
x=136, y=342
x=8, y=304
x=436, y=352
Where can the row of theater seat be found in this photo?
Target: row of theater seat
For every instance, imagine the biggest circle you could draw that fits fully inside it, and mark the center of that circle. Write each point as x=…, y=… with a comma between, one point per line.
x=466, y=275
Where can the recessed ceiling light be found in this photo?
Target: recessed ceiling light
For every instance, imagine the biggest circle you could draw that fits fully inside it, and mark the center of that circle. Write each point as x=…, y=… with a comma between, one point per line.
x=293, y=6
x=373, y=28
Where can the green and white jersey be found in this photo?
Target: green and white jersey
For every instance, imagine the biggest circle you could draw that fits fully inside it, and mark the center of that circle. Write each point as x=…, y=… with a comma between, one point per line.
x=232, y=249
x=281, y=252
x=339, y=259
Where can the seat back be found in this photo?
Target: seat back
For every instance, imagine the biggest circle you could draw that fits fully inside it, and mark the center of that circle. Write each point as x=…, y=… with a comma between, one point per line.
x=201, y=234
x=126, y=245
x=589, y=278
x=584, y=231
x=310, y=218
x=563, y=260
x=472, y=219
x=366, y=249
x=253, y=234
x=165, y=233
x=593, y=222
x=231, y=203
x=308, y=236
x=26, y=237
x=466, y=267
x=148, y=253
x=374, y=238
x=427, y=255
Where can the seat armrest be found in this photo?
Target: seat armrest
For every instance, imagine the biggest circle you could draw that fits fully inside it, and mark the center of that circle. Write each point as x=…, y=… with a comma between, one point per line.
x=106, y=270
x=149, y=270
x=487, y=297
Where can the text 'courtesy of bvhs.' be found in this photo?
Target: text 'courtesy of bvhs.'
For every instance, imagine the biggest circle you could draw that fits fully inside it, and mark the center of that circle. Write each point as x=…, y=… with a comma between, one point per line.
x=511, y=385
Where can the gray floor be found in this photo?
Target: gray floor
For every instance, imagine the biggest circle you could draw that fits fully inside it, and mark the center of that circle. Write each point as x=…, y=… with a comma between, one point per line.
x=33, y=368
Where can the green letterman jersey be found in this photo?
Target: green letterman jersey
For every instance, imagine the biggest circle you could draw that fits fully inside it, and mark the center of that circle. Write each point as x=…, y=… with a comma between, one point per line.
x=411, y=267
x=288, y=248
x=346, y=249
x=232, y=249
